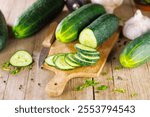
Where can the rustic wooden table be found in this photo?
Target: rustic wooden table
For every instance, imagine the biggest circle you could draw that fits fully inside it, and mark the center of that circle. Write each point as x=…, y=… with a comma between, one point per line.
x=135, y=82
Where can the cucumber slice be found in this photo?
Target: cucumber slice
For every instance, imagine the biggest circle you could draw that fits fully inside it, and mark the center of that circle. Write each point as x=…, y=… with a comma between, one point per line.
x=88, y=58
x=87, y=38
x=83, y=62
x=21, y=59
x=49, y=60
x=91, y=54
x=56, y=56
x=69, y=59
x=82, y=48
x=61, y=63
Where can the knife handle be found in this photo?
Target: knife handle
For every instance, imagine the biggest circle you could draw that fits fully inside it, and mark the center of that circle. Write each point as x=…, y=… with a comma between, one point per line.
x=50, y=36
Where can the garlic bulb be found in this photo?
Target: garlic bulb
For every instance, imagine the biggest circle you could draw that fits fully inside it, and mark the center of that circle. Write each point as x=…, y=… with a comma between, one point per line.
x=136, y=26
x=109, y=5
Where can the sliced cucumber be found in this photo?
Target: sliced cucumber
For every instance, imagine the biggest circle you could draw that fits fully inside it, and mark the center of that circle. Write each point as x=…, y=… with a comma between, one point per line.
x=49, y=60
x=69, y=59
x=82, y=48
x=21, y=59
x=61, y=63
x=88, y=58
x=91, y=54
x=83, y=62
x=56, y=56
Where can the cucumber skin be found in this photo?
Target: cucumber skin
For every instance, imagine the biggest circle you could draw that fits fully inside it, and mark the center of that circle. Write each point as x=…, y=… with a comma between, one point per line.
x=76, y=21
x=141, y=47
x=104, y=27
x=36, y=17
x=3, y=31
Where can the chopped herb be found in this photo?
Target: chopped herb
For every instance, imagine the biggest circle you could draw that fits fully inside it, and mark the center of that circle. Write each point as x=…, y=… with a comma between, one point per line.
x=121, y=90
x=110, y=78
x=102, y=87
x=133, y=95
x=16, y=70
x=118, y=67
x=104, y=73
x=87, y=83
x=6, y=66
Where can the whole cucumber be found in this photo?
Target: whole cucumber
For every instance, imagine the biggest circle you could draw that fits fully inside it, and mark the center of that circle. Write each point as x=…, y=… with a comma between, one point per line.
x=69, y=28
x=3, y=31
x=137, y=52
x=36, y=16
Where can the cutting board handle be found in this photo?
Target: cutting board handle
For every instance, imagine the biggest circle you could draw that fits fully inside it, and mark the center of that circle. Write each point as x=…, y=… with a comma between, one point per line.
x=57, y=84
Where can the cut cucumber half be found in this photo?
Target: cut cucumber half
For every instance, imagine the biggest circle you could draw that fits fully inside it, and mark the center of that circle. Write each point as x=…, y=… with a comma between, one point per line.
x=83, y=62
x=69, y=59
x=61, y=63
x=87, y=38
x=88, y=58
x=82, y=48
x=49, y=60
x=21, y=59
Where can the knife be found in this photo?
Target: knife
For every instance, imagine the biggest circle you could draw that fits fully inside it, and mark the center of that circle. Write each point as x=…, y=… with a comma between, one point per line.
x=47, y=43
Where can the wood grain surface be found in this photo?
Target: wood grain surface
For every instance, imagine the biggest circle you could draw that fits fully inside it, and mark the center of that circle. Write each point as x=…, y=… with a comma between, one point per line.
x=134, y=82
x=56, y=85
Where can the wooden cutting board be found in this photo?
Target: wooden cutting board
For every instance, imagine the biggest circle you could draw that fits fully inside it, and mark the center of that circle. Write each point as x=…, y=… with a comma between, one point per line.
x=57, y=84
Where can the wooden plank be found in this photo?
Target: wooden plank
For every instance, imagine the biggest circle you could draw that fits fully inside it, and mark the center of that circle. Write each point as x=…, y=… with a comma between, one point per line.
x=113, y=63
x=14, y=82
x=6, y=9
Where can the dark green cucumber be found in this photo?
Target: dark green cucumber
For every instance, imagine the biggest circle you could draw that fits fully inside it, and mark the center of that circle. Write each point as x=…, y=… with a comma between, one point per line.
x=37, y=16
x=21, y=59
x=137, y=52
x=61, y=63
x=83, y=62
x=3, y=31
x=69, y=28
x=69, y=59
x=99, y=31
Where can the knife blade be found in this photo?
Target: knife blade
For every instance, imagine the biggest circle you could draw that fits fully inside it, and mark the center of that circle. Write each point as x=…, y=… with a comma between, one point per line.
x=47, y=43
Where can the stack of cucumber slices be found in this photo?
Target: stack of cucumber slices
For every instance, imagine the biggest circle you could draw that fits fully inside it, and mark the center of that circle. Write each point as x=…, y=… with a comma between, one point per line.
x=85, y=56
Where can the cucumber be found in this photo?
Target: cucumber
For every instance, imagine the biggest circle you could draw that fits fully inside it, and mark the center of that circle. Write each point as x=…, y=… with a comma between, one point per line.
x=99, y=31
x=83, y=62
x=69, y=28
x=90, y=54
x=82, y=48
x=49, y=60
x=88, y=58
x=137, y=52
x=36, y=16
x=69, y=59
x=61, y=63
x=21, y=59
x=3, y=31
